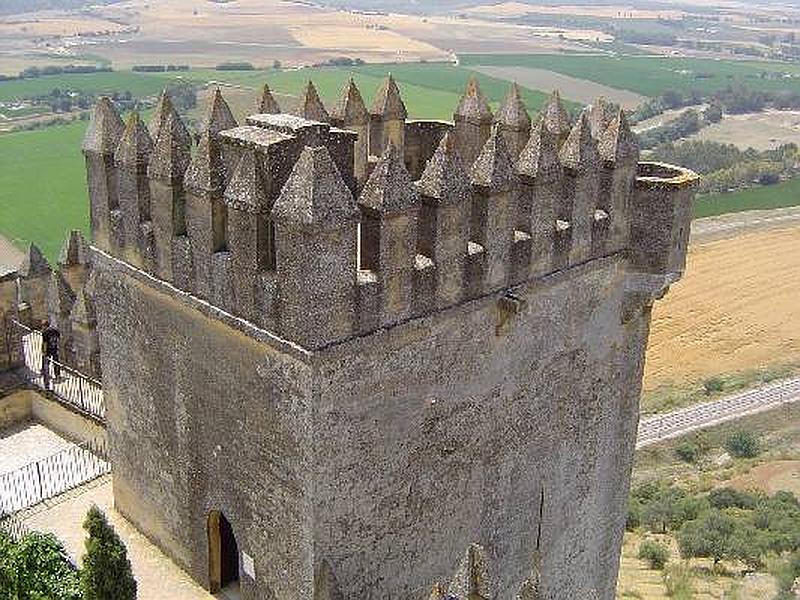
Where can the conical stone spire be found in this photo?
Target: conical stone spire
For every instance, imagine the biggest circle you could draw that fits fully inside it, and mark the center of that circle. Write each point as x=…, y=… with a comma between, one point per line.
x=164, y=108
x=60, y=295
x=75, y=251
x=207, y=171
x=444, y=178
x=136, y=145
x=540, y=156
x=471, y=581
x=389, y=189
x=326, y=586
x=388, y=103
x=494, y=167
x=531, y=589
x=219, y=117
x=105, y=128
x=311, y=106
x=350, y=109
x=513, y=113
x=267, y=103
x=83, y=312
x=580, y=150
x=315, y=195
x=473, y=106
x=34, y=264
x=172, y=151
x=601, y=114
x=555, y=117
x=619, y=144
x=245, y=191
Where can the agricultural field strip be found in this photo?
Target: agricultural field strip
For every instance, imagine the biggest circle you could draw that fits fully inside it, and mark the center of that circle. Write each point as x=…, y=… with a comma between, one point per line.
x=663, y=427
x=713, y=227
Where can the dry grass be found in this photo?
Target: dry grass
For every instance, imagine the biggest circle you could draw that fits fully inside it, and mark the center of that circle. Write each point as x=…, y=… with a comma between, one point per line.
x=736, y=309
x=518, y=9
x=762, y=131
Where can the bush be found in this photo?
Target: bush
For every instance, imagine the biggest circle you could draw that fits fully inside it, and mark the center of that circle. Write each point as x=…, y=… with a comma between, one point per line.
x=678, y=581
x=36, y=568
x=713, y=386
x=106, y=573
x=688, y=451
x=743, y=444
x=654, y=553
x=730, y=498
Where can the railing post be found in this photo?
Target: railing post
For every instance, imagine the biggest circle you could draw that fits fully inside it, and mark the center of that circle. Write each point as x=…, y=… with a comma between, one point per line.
x=39, y=478
x=80, y=391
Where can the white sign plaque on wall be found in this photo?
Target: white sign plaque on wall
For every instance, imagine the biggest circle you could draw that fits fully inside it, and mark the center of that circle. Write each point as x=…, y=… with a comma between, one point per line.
x=248, y=566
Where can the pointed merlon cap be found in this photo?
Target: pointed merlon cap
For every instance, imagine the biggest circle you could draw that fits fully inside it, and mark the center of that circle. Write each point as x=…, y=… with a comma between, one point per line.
x=267, y=105
x=388, y=103
x=473, y=106
x=74, y=251
x=105, y=128
x=539, y=158
x=136, y=145
x=219, y=116
x=619, y=145
x=601, y=114
x=555, y=116
x=60, y=295
x=245, y=192
x=472, y=576
x=207, y=171
x=513, y=113
x=389, y=188
x=326, y=586
x=350, y=109
x=494, y=167
x=444, y=178
x=579, y=152
x=34, y=264
x=311, y=106
x=315, y=195
x=83, y=311
x=164, y=108
x=531, y=589
x=172, y=152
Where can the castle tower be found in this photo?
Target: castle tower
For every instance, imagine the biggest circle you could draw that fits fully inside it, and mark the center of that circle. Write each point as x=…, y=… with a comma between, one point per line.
x=99, y=144
x=132, y=157
x=387, y=119
x=267, y=103
x=514, y=121
x=311, y=107
x=330, y=391
x=350, y=113
x=473, y=123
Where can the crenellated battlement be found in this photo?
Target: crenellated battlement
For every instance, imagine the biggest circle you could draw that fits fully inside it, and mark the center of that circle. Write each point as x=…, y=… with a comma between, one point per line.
x=333, y=224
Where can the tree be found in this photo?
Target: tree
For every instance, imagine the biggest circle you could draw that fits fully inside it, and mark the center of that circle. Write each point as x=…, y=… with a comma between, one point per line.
x=36, y=568
x=710, y=536
x=743, y=444
x=654, y=553
x=106, y=573
x=731, y=498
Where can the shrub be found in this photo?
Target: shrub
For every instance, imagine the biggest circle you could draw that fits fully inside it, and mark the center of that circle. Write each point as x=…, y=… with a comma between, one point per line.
x=688, y=451
x=654, y=553
x=36, y=568
x=106, y=573
x=713, y=385
x=743, y=444
x=730, y=498
x=678, y=581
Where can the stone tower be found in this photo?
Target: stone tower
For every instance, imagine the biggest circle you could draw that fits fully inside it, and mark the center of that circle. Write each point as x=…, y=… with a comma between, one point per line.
x=413, y=378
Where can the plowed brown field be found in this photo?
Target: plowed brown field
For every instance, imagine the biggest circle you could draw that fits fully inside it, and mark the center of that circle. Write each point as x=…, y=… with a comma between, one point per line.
x=736, y=309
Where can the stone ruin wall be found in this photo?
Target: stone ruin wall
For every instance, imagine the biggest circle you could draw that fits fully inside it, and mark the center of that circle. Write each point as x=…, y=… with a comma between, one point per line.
x=461, y=306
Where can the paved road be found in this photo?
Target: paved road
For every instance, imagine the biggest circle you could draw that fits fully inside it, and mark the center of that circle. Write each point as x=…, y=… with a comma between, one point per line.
x=726, y=226
x=675, y=424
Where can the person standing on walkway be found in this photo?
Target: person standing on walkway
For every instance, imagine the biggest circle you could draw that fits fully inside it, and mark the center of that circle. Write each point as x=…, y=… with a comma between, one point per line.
x=50, y=339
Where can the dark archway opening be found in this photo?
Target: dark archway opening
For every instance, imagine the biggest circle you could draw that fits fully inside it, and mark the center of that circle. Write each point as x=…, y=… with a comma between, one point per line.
x=223, y=553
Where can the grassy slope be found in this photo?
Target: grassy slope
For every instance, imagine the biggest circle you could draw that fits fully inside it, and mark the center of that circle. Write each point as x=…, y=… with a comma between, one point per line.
x=774, y=196
x=651, y=76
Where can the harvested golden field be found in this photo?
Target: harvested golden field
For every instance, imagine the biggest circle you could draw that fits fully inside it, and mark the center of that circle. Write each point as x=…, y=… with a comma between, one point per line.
x=611, y=11
x=736, y=309
x=762, y=131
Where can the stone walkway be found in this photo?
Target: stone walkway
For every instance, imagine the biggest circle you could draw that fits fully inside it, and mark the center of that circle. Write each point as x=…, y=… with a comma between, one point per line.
x=27, y=443
x=157, y=576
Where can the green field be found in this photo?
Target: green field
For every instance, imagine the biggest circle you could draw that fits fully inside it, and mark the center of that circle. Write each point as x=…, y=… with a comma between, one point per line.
x=781, y=195
x=42, y=186
x=653, y=75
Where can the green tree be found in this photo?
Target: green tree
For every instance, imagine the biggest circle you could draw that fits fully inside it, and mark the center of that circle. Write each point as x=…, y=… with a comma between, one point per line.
x=36, y=568
x=106, y=573
x=743, y=444
x=710, y=536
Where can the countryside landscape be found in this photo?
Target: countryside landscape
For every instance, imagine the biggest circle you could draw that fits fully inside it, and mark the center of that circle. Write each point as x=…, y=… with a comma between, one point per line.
x=713, y=86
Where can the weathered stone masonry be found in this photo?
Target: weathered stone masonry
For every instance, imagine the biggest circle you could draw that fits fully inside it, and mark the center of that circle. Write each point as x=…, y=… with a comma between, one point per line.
x=402, y=358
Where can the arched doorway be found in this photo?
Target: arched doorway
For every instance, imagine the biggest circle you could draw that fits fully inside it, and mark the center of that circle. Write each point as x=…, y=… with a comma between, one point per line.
x=223, y=553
